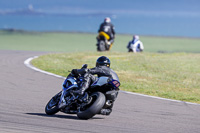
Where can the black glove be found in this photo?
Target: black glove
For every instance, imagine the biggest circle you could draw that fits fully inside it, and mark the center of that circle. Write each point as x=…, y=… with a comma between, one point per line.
x=84, y=66
x=74, y=72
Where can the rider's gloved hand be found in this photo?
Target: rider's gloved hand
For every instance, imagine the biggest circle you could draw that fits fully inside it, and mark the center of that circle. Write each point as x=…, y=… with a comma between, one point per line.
x=84, y=66
x=75, y=72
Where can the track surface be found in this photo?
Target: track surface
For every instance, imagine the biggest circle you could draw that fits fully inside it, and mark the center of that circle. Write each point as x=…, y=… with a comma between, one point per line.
x=25, y=92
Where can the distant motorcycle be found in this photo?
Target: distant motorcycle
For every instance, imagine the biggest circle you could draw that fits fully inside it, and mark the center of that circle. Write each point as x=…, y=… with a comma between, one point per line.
x=101, y=94
x=102, y=42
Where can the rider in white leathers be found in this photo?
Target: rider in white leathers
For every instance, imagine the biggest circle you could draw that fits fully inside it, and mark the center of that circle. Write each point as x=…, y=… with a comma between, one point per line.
x=135, y=45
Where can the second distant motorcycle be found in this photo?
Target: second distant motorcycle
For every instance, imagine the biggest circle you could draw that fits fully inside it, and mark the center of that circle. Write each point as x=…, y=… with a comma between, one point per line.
x=102, y=42
x=106, y=36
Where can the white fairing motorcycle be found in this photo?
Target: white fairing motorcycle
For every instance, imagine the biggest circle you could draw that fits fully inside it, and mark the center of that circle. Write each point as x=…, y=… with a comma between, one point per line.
x=101, y=94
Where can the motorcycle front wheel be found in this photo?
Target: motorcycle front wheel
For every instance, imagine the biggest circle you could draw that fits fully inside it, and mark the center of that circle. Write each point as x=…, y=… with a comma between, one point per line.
x=98, y=101
x=52, y=106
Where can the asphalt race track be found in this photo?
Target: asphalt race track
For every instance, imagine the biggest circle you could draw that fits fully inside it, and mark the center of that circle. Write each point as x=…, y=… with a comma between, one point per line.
x=25, y=92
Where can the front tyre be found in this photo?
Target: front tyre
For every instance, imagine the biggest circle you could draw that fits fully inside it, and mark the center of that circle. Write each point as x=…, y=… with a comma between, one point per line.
x=52, y=106
x=98, y=101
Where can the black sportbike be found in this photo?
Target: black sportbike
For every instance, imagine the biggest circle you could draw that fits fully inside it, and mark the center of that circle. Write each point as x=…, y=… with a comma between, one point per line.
x=100, y=95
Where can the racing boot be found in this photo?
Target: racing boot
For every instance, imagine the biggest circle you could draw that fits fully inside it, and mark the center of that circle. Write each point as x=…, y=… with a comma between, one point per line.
x=85, y=84
x=81, y=91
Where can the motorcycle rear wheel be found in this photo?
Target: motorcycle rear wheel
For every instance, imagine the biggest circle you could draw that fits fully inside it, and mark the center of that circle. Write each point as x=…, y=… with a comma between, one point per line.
x=101, y=46
x=98, y=101
x=52, y=106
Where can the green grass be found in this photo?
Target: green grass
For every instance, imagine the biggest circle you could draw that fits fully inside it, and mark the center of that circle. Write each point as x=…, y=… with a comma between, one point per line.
x=36, y=41
x=166, y=74
x=172, y=75
x=80, y=42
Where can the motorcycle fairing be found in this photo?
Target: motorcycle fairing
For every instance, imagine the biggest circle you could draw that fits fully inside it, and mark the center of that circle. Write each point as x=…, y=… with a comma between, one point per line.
x=104, y=34
x=100, y=81
x=73, y=84
x=65, y=88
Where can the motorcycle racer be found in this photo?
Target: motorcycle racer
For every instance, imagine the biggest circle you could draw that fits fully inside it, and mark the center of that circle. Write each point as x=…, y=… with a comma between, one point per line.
x=107, y=29
x=135, y=45
x=102, y=69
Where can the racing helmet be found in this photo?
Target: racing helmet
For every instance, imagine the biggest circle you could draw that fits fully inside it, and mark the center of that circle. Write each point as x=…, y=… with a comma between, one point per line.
x=107, y=20
x=103, y=61
x=136, y=37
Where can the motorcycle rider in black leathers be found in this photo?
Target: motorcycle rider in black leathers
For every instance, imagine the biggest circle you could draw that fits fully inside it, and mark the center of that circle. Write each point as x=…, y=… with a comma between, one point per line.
x=108, y=28
x=102, y=69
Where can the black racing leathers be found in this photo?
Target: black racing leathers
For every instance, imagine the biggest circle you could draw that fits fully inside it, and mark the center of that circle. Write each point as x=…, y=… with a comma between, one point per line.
x=89, y=78
x=103, y=71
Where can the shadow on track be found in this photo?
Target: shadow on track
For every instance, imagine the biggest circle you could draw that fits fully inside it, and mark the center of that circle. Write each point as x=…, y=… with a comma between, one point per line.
x=61, y=116
x=57, y=116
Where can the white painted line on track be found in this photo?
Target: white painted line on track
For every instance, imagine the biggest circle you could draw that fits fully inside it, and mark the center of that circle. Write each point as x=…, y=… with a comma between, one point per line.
x=160, y=98
x=28, y=64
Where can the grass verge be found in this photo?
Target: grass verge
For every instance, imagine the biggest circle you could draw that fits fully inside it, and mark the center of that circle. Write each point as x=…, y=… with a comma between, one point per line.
x=169, y=75
x=80, y=42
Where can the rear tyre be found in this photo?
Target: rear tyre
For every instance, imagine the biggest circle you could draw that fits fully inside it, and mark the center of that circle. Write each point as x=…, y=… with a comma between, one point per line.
x=52, y=106
x=98, y=101
x=101, y=46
